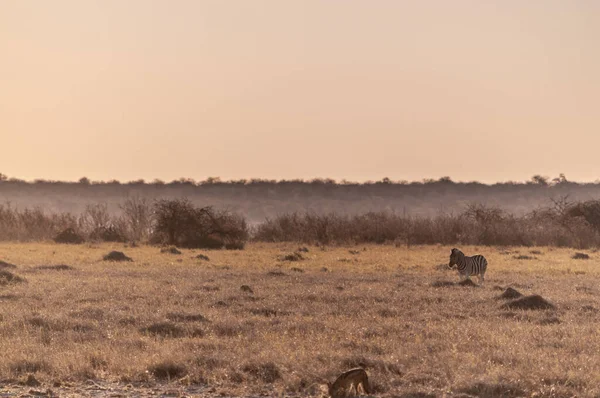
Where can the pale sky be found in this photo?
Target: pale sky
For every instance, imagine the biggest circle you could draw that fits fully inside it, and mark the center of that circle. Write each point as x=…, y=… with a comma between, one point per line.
x=472, y=89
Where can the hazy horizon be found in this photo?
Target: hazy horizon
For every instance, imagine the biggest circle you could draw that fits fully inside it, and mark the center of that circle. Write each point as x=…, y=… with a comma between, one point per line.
x=484, y=91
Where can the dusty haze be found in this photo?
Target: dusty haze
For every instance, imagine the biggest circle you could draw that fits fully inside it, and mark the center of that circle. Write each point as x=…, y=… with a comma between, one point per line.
x=478, y=90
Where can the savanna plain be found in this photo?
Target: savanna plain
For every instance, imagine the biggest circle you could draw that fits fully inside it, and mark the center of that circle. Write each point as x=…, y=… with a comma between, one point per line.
x=267, y=322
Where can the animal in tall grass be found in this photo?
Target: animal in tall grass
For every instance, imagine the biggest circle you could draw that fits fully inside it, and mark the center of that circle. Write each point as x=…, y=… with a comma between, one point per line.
x=468, y=266
x=349, y=381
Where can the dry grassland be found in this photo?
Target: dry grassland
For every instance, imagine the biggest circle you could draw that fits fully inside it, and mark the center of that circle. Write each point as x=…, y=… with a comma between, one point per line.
x=174, y=323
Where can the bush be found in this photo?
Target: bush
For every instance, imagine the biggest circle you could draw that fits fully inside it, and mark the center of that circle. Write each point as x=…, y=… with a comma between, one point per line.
x=179, y=223
x=69, y=236
x=477, y=225
x=109, y=233
x=137, y=214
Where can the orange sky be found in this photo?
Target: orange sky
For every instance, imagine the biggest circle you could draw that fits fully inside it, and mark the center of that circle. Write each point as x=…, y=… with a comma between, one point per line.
x=473, y=89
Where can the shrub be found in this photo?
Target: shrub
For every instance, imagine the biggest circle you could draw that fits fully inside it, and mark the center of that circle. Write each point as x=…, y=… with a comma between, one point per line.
x=137, y=215
x=109, y=233
x=179, y=223
x=69, y=236
x=477, y=225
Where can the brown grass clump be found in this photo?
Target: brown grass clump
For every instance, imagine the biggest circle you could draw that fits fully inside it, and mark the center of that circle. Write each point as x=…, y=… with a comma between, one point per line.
x=58, y=267
x=266, y=372
x=164, y=329
x=170, y=250
x=510, y=294
x=7, y=277
x=580, y=256
x=116, y=256
x=467, y=282
x=246, y=288
x=493, y=390
x=276, y=273
x=5, y=265
x=442, y=284
x=302, y=249
x=167, y=370
x=533, y=302
x=29, y=366
x=31, y=381
x=181, y=317
x=524, y=257
x=202, y=257
x=292, y=257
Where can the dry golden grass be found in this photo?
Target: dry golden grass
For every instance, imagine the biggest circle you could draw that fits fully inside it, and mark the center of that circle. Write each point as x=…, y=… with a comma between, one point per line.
x=178, y=320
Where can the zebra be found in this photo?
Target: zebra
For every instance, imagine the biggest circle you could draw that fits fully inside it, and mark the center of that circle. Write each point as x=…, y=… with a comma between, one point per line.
x=467, y=266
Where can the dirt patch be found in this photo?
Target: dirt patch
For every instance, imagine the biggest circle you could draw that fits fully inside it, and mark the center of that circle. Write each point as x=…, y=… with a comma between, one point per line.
x=276, y=273
x=510, y=294
x=534, y=302
x=170, y=250
x=7, y=277
x=59, y=267
x=580, y=256
x=116, y=256
x=5, y=265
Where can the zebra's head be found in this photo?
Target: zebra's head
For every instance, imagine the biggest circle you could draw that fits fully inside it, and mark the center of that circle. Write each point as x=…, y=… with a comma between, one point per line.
x=454, y=257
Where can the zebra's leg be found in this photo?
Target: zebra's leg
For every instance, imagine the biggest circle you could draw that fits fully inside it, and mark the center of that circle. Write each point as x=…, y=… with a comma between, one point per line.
x=481, y=279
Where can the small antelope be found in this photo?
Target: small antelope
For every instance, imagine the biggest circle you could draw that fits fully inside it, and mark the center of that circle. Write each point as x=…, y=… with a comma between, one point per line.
x=349, y=381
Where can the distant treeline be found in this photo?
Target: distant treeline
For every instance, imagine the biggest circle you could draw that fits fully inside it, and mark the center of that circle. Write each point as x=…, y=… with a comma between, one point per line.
x=178, y=222
x=258, y=199
x=535, y=180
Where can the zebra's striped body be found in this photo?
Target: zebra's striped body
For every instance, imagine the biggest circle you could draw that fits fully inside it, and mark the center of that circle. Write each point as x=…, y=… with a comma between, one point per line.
x=467, y=266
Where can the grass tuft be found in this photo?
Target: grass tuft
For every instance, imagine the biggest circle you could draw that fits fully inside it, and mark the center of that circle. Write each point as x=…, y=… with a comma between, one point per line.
x=167, y=370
